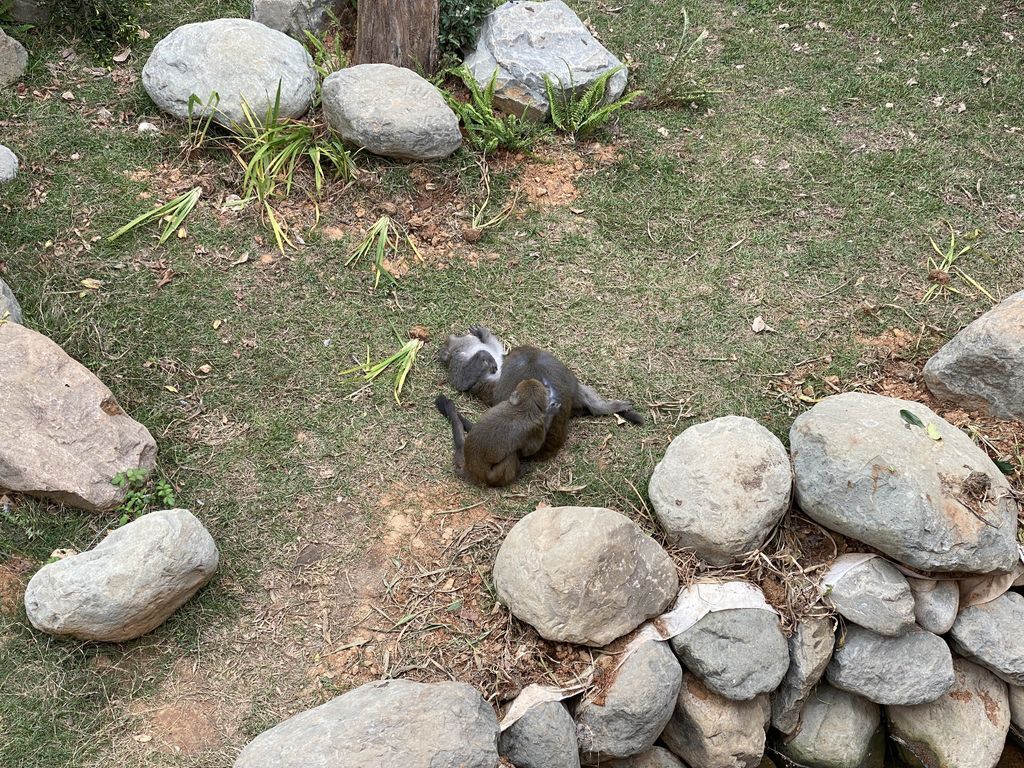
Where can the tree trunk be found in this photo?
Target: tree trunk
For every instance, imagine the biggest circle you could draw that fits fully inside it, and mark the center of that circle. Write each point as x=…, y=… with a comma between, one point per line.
x=399, y=32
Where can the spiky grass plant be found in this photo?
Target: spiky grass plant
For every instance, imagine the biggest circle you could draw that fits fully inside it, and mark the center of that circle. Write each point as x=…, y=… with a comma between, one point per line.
x=199, y=120
x=173, y=213
x=942, y=271
x=579, y=115
x=402, y=361
x=384, y=240
x=487, y=131
x=676, y=88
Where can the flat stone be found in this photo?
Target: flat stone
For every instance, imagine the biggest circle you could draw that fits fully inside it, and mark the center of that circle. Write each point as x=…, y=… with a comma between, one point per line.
x=13, y=60
x=836, y=730
x=911, y=669
x=935, y=604
x=964, y=728
x=10, y=309
x=8, y=165
x=237, y=59
x=979, y=369
x=738, y=653
x=655, y=757
x=390, y=111
x=711, y=731
x=386, y=724
x=524, y=41
x=128, y=584
x=544, y=736
x=66, y=438
x=294, y=17
x=810, y=649
x=863, y=471
x=990, y=635
x=721, y=488
x=633, y=709
x=877, y=596
x=583, y=574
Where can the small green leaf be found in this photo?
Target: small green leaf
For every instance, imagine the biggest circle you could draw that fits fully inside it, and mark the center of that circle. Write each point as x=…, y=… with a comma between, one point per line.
x=933, y=432
x=1006, y=467
x=910, y=418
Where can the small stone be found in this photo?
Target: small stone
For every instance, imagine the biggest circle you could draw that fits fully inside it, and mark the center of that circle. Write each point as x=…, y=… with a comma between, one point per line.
x=990, y=634
x=386, y=724
x=721, y=488
x=633, y=709
x=145, y=127
x=10, y=309
x=935, y=604
x=8, y=165
x=964, y=728
x=810, y=649
x=390, y=111
x=980, y=367
x=294, y=17
x=710, y=731
x=583, y=574
x=876, y=596
x=655, y=757
x=128, y=584
x=544, y=736
x=836, y=730
x=911, y=669
x=13, y=60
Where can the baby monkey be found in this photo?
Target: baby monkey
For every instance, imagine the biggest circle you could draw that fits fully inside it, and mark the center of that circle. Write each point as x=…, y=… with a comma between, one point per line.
x=489, y=451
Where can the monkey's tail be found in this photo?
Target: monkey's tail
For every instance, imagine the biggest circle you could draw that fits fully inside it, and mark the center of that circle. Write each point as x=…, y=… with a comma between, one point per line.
x=596, y=405
x=447, y=409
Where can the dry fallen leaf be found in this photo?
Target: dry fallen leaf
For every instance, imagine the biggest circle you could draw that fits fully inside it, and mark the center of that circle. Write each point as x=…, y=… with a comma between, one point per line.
x=758, y=325
x=122, y=56
x=92, y=284
x=172, y=389
x=217, y=324
x=68, y=96
x=205, y=369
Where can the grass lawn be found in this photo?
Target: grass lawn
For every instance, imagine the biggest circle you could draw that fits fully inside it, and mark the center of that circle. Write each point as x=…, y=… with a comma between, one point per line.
x=843, y=136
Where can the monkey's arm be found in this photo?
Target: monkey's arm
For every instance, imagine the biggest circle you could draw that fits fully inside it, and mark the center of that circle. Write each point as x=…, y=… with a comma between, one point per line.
x=476, y=368
x=533, y=440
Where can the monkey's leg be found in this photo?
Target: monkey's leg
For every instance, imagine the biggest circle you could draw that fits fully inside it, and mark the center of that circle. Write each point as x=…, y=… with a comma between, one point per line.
x=593, y=403
x=504, y=472
x=483, y=333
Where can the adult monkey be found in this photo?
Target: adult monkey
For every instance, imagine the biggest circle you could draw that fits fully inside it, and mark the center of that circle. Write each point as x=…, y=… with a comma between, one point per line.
x=477, y=363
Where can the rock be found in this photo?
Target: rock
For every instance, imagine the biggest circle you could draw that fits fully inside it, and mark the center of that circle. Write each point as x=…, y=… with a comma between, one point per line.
x=523, y=41
x=13, y=60
x=709, y=731
x=980, y=367
x=964, y=728
x=738, y=653
x=911, y=669
x=238, y=60
x=935, y=604
x=990, y=635
x=65, y=435
x=30, y=11
x=545, y=736
x=810, y=649
x=583, y=574
x=294, y=17
x=721, y=488
x=1016, y=694
x=145, y=127
x=633, y=709
x=655, y=757
x=128, y=584
x=390, y=111
x=386, y=724
x=836, y=729
x=876, y=596
x=865, y=472
x=8, y=165
x=10, y=309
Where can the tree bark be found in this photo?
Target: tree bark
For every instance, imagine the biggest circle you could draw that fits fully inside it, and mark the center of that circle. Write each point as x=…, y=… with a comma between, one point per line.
x=399, y=32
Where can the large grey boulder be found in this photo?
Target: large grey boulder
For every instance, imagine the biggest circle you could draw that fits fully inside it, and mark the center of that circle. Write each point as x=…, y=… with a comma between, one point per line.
x=990, y=634
x=980, y=368
x=836, y=730
x=128, y=584
x=862, y=470
x=655, y=757
x=386, y=724
x=390, y=111
x=810, y=649
x=524, y=41
x=911, y=669
x=627, y=715
x=545, y=736
x=877, y=596
x=721, y=488
x=10, y=309
x=964, y=728
x=583, y=574
x=30, y=11
x=8, y=165
x=935, y=604
x=738, y=653
x=64, y=435
x=237, y=59
x=13, y=59
x=294, y=17
x=710, y=731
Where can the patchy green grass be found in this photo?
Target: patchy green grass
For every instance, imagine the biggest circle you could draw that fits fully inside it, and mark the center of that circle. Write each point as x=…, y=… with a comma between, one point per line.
x=806, y=195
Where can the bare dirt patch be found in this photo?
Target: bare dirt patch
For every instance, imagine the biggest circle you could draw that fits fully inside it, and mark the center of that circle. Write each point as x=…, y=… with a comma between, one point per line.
x=14, y=573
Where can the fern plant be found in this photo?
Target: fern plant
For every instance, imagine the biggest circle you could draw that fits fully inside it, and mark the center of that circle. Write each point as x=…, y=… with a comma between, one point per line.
x=486, y=130
x=579, y=115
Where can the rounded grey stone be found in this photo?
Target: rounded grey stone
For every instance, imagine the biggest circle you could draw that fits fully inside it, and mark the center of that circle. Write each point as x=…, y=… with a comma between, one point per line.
x=810, y=649
x=128, y=584
x=294, y=17
x=545, y=736
x=386, y=724
x=935, y=604
x=911, y=669
x=390, y=111
x=10, y=309
x=836, y=729
x=721, y=488
x=13, y=60
x=655, y=757
x=877, y=596
x=991, y=635
x=583, y=574
x=863, y=471
x=633, y=708
x=8, y=164
x=239, y=60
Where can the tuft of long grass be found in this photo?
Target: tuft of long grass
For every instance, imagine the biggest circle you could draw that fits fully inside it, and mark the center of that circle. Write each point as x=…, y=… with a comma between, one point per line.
x=173, y=212
x=676, y=88
x=403, y=361
x=383, y=240
x=942, y=271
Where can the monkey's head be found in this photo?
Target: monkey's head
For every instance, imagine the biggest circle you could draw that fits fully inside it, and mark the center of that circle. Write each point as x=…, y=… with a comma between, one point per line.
x=531, y=392
x=468, y=361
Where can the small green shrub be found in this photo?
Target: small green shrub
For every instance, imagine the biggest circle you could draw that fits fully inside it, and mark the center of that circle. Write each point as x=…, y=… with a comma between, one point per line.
x=142, y=495
x=104, y=25
x=460, y=20
x=485, y=130
x=580, y=115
